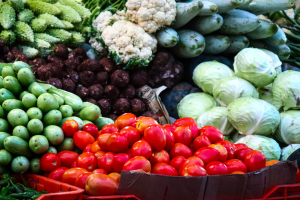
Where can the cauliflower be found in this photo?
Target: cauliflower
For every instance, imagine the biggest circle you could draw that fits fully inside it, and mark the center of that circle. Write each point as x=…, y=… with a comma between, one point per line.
x=106, y=19
x=151, y=15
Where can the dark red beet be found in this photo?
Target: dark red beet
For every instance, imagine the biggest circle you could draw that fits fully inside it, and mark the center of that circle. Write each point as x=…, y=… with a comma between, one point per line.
x=89, y=65
x=82, y=92
x=120, y=78
x=5, y=49
x=111, y=92
x=113, y=116
x=59, y=70
x=137, y=106
x=68, y=85
x=55, y=82
x=54, y=59
x=150, y=114
x=21, y=56
x=45, y=72
x=39, y=62
x=34, y=71
x=86, y=78
x=121, y=106
x=128, y=92
x=93, y=101
x=78, y=53
x=96, y=91
x=73, y=76
x=105, y=106
x=139, y=78
x=72, y=63
x=9, y=57
x=102, y=78
x=61, y=51
x=108, y=65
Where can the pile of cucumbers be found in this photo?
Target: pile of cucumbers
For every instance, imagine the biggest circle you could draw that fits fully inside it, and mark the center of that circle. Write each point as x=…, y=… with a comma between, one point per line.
x=31, y=116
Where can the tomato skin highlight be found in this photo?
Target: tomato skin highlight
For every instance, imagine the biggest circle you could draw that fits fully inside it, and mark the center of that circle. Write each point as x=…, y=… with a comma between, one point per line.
x=69, y=127
x=82, y=139
x=156, y=137
x=131, y=133
x=177, y=161
x=164, y=169
x=100, y=185
x=216, y=168
x=70, y=175
x=67, y=158
x=127, y=119
x=240, y=146
x=91, y=129
x=213, y=134
x=222, y=150
x=234, y=165
x=255, y=160
x=141, y=148
x=109, y=129
x=106, y=162
x=117, y=143
x=50, y=162
x=230, y=147
x=183, y=135
x=81, y=179
x=87, y=161
x=193, y=170
x=170, y=139
x=201, y=141
x=182, y=121
x=100, y=171
x=57, y=173
x=119, y=160
x=207, y=154
x=241, y=154
x=180, y=150
x=144, y=123
x=194, y=160
x=136, y=163
x=99, y=154
x=88, y=148
x=159, y=157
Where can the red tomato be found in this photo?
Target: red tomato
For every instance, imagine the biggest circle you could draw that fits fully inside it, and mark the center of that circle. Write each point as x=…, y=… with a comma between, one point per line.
x=117, y=143
x=95, y=147
x=74, y=164
x=91, y=129
x=136, y=163
x=119, y=160
x=193, y=170
x=106, y=162
x=141, y=148
x=124, y=120
x=159, y=157
x=82, y=139
x=116, y=176
x=70, y=127
x=222, y=150
x=240, y=146
x=88, y=148
x=182, y=121
x=272, y=162
x=50, y=162
x=100, y=185
x=144, y=123
x=241, y=154
x=201, y=141
x=128, y=152
x=207, y=154
x=255, y=160
x=177, y=162
x=156, y=137
x=298, y=176
x=67, y=158
x=70, y=175
x=183, y=135
x=102, y=140
x=131, y=133
x=100, y=171
x=216, y=168
x=191, y=161
x=170, y=139
x=109, y=128
x=193, y=128
x=231, y=150
x=81, y=180
x=164, y=169
x=180, y=150
x=213, y=134
x=57, y=173
x=87, y=161
x=235, y=165
x=237, y=172
x=99, y=154
x=170, y=127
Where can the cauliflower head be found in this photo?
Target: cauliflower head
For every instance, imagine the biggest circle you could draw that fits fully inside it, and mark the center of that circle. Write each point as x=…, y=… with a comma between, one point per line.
x=106, y=19
x=151, y=15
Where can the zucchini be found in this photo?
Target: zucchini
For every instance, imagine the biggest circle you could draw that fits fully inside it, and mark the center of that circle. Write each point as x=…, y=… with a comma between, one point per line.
x=216, y=44
x=244, y=5
x=90, y=113
x=283, y=51
x=227, y=5
x=5, y=94
x=17, y=146
x=209, y=8
x=278, y=39
x=257, y=44
x=206, y=24
x=2, y=65
x=167, y=37
x=267, y=29
x=267, y=6
x=238, y=43
x=102, y=121
x=70, y=99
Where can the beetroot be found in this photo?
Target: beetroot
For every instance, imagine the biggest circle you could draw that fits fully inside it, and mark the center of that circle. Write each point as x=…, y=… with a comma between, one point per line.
x=73, y=75
x=121, y=106
x=102, y=78
x=96, y=91
x=72, y=63
x=137, y=106
x=89, y=65
x=39, y=62
x=45, y=72
x=150, y=114
x=113, y=116
x=139, y=78
x=111, y=92
x=68, y=85
x=61, y=51
x=120, y=78
x=9, y=58
x=86, y=78
x=93, y=101
x=54, y=59
x=128, y=92
x=82, y=92
x=105, y=106
x=55, y=82
x=108, y=65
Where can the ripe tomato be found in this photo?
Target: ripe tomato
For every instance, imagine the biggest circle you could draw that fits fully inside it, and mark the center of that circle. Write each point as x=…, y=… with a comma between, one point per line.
x=106, y=162
x=170, y=127
x=70, y=127
x=222, y=150
x=117, y=143
x=88, y=148
x=170, y=139
x=193, y=128
x=159, y=157
x=95, y=147
x=124, y=120
x=128, y=152
x=238, y=172
x=182, y=121
x=100, y=185
x=241, y=154
x=141, y=148
x=193, y=170
x=272, y=162
x=177, y=162
x=119, y=160
x=67, y=158
x=50, y=162
x=70, y=175
x=144, y=123
x=57, y=173
x=201, y=141
x=102, y=140
x=109, y=129
x=164, y=169
x=100, y=171
x=191, y=161
x=116, y=176
x=255, y=160
x=180, y=150
x=231, y=150
x=235, y=165
x=74, y=164
x=207, y=154
x=81, y=179
x=99, y=154
x=136, y=163
x=82, y=139
x=91, y=129
x=183, y=135
x=156, y=137
x=131, y=133
x=240, y=146
x=87, y=161
x=213, y=134
x=216, y=168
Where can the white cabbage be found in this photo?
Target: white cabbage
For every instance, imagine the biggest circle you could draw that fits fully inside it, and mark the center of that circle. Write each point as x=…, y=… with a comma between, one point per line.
x=266, y=93
x=276, y=61
x=287, y=151
x=235, y=136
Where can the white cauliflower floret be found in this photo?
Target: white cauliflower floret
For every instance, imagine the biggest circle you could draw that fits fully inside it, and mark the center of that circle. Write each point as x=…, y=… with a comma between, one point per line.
x=106, y=19
x=96, y=45
x=151, y=15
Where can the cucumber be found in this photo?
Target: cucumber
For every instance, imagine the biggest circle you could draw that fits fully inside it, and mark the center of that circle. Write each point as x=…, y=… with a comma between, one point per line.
x=277, y=39
x=38, y=144
x=29, y=100
x=239, y=22
x=283, y=51
x=59, y=99
x=209, y=8
x=8, y=71
x=267, y=6
x=34, y=113
x=206, y=24
x=90, y=113
x=23, y=94
x=186, y=11
x=17, y=146
x=17, y=117
x=47, y=102
x=77, y=119
x=11, y=104
x=191, y=44
x=238, y=42
x=51, y=149
x=35, y=167
x=257, y=44
x=3, y=136
x=2, y=114
x=5, y=94
x=12, y=84
x=66, y=145
x=36, y=89
x=167, y=37
x=4, y=126
x=216, y=44
x=35, y=126
x=18, y=65
x=5, y=157
x=25, y=76
x=20, y=164
x=102, y=121
x=2, y=65
x=66, y=111
x=21, y=132
x=54, y=134
x=53, y=117
x=244, y=5
x=87, y=104
x=226, y=5
x=1, y=82
x=267, y=29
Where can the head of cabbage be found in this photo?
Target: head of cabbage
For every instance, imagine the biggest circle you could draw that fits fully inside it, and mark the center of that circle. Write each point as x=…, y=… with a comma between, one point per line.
x=207, y=73
x=276, y=61
x=287, y=151
x=254, y=66
x=266, y=93
x=228, y=89
x=253, y=116
x=195, y=104
x=288, y=131
x=286, y=90
x=235, y=136
x=216, y=117
x=268, y=146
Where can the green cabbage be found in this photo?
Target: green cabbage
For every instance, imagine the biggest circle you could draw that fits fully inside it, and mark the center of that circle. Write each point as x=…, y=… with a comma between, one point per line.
x=195, y=104
x=269, y=147
x=216, y=117
x=286, y=90
x=266, y=93
x=254, y=66
x=253, y=116
x=235, y=136
x=229, y=89
x=287, y=151
x=207, y=74
x=276, y=61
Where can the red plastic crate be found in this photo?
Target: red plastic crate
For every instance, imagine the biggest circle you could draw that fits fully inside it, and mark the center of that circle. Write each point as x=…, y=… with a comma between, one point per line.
x=114, y=197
